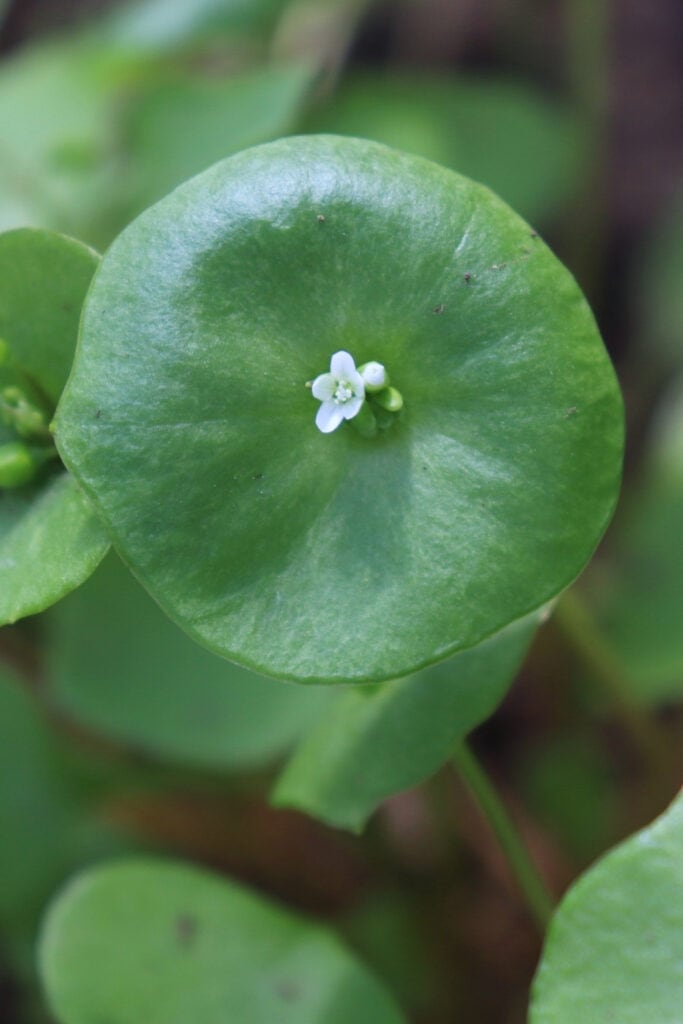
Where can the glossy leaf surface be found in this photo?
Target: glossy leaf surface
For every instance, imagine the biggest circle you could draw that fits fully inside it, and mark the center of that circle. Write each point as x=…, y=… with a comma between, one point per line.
x=117, y=664
x=335, y=557
x=380, y=740
x=614, y=951
x=50, y=538
x=165, y=943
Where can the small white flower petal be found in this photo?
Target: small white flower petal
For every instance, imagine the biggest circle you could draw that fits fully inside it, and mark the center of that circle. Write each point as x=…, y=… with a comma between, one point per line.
x=357, y=383
x=351, y=408
x=342, y=365
x=329, y=417
x=324, y=386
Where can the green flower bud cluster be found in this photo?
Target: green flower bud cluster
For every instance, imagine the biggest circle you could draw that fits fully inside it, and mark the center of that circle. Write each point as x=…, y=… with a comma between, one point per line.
x=382, y=402
x=21, y=414
x=21, y=460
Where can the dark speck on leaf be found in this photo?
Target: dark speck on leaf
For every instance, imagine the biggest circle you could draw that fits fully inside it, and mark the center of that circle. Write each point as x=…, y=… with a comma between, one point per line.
x=467, y=277
x=320, y=218
x=440, y=308
x=98, y=414
x=258, y=476
x=186, y=930
x=288, y=991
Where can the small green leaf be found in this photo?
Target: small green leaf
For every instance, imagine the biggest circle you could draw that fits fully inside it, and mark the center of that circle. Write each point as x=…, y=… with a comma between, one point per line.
x=164, y=943
x=525, y=146
x=43, y=281
x=614, y=951
x=139, y=679
x=380, y=741
x=50, y=538
x=336, y=557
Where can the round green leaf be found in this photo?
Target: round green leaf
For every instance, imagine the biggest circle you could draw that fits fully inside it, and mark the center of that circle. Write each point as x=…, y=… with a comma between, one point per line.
x=50, y=538
x=138, y=678
x=614, y=951
x=334, y=556
x=165, y=943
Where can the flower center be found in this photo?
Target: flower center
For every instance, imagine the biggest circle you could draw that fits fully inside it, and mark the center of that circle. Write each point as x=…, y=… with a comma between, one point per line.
x=343, y=392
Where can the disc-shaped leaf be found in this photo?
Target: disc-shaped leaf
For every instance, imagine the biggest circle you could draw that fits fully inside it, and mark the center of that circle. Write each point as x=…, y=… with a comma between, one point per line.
x=381, y=740
x=335, y=556
x=166, y=943
x=50, y=538
x=614, y=951
x=138, y=678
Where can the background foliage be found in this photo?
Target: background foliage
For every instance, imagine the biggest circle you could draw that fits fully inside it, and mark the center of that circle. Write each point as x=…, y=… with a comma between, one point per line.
x=118, y=736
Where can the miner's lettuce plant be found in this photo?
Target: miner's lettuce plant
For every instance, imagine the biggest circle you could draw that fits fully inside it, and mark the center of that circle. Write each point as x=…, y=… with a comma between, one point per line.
x=344, y=416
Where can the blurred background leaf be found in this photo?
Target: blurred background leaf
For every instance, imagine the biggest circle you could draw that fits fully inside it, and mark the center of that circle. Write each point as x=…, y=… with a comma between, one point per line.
x=116, y=664
x=642, y=602
x=524, y=145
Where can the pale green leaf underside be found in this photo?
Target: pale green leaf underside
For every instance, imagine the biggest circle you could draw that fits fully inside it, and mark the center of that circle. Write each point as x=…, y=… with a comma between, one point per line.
x=167, y=944
x=614, y=951
x=378, y=741
x=332, y=557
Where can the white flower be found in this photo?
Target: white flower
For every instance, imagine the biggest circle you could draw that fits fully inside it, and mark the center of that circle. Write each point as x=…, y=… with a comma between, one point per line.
x=341, y=392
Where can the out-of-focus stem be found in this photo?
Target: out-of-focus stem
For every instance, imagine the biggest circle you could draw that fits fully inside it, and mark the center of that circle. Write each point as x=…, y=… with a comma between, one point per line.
x=606, y=668
x=533, y=887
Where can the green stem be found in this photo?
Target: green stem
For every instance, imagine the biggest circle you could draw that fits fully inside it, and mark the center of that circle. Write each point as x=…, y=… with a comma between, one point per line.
x=533, y=887
x=606, y=668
